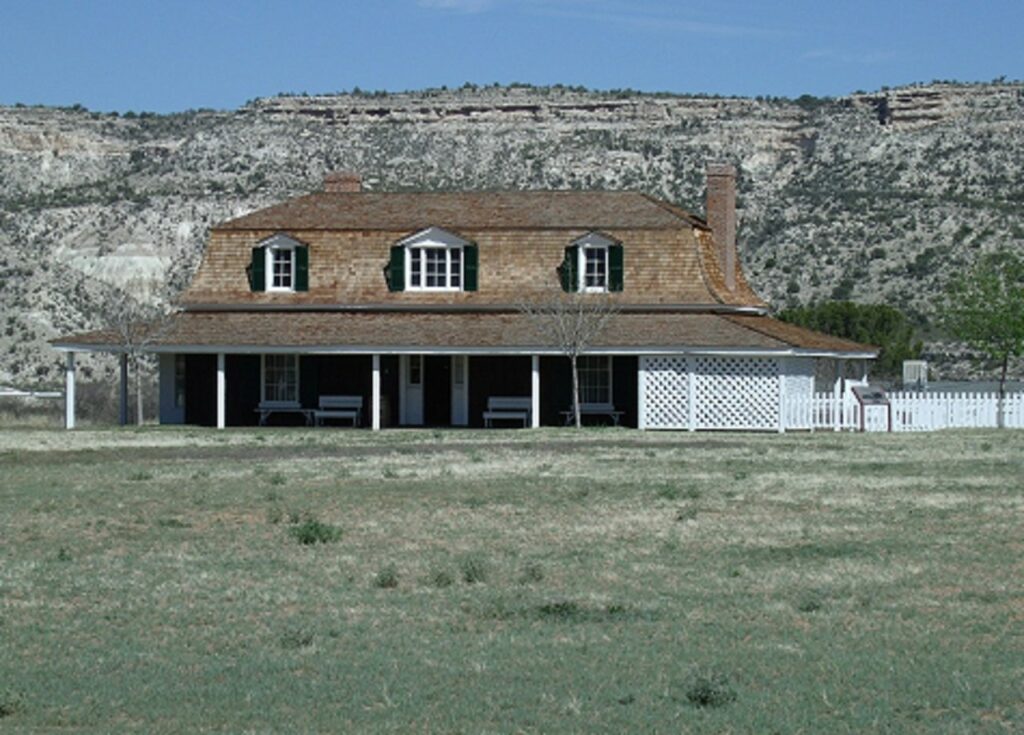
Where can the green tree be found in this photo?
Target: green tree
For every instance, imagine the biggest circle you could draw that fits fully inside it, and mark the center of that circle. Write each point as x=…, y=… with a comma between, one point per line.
x=985, y=309
x=874, y=324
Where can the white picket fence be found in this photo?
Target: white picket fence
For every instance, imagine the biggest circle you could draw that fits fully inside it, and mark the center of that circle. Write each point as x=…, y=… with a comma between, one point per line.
x=908, y=412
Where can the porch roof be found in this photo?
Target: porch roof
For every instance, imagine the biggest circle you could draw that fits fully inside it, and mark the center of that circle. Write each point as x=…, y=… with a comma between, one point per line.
x=497, y=332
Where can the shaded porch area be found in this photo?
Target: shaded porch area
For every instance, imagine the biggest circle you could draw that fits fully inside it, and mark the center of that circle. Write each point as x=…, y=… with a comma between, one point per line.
x=414, y=390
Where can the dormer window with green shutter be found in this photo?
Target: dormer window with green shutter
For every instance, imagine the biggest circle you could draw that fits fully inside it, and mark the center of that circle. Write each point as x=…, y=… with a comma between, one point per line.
x=279, y=263
x=593, y=264
x=433, y=260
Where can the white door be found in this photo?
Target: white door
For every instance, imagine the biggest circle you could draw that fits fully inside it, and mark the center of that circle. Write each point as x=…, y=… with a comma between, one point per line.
x=460, y=390
x=411, y=377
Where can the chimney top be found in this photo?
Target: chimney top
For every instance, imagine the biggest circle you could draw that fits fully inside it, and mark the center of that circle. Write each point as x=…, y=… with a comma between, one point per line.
x=343, y=181
x=721, y=217
x=721, y=169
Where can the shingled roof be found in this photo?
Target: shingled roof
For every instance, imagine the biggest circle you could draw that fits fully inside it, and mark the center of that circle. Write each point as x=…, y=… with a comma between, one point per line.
x=466, y=210
x=356, y=330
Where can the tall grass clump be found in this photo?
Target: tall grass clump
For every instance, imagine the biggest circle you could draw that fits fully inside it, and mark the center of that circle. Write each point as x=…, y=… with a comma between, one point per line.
x=710, y=689
x=311, y=532
x=387, y=578
x=474, y=569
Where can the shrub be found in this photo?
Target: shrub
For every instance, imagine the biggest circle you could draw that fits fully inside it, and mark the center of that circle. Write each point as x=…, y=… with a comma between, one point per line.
x=11, y=702
x=387, y=578
x=474, y=569
x=296, y=638
x=442, y=578
x=63, y=554
x=559, y=610
x=812, y=602
x=532, y=572
x=709, y=689
x=312, y=531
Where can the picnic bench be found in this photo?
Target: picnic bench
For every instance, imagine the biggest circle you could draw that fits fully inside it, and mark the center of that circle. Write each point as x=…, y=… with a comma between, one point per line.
x=266, y=409
x=339, y=407
x=507, y=408
x=594, y=409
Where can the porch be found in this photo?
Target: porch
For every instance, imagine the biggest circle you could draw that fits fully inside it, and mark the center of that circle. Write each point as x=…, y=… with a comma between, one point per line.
x=395, y=390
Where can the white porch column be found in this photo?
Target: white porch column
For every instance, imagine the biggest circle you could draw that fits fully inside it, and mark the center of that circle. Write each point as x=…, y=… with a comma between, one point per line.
x=837, y=398
x=691, y=393
x=69, y=392
x=782, y=396
x=535, y=391
x=375, y=395
x=122, y=414
x=641, y=392
x=221, y=392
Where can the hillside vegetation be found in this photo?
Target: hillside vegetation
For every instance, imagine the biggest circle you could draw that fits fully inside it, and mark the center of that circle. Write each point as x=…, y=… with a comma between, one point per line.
x=874, y=197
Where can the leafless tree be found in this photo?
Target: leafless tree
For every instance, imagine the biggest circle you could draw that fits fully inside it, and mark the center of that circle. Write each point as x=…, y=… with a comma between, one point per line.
x=136, y=314
x=571, y=322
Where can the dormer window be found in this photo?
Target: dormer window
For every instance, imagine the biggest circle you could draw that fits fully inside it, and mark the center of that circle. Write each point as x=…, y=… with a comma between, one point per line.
x=435, y=268
x=279, y=263
x=592, y=264
x=433, y=260
x=281, y=267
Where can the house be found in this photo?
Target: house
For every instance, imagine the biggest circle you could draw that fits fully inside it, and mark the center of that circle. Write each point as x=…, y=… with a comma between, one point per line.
x=400, y=309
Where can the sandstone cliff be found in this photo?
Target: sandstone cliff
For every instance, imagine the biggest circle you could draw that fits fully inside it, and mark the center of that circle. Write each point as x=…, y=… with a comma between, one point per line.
x=876, y=197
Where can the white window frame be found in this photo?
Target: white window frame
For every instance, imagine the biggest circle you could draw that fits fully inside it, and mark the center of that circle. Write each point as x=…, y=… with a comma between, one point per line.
x=263, y=383
x=593, y=242
x=611, y=381
x=435, y=239
x=277, y=244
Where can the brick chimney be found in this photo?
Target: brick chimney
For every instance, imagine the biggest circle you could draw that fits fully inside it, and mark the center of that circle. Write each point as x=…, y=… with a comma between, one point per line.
x=721, y=217
x=343, y=181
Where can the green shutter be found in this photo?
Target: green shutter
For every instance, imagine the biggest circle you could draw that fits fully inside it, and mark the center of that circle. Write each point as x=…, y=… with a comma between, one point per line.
x=614, y=267
x=396, y=269
x=470, y=260
x=257, y=270
x=301, y=268
x=569, y=269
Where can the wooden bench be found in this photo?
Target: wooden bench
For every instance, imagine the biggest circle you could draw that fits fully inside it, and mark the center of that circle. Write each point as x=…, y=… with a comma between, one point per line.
x=594, y=409
x=339, y=407
x=507, y=408
x=266, y=409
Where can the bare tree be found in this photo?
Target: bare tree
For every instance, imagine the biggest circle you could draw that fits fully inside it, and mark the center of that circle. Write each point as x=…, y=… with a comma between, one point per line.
x=136, y=314
x=571, y=323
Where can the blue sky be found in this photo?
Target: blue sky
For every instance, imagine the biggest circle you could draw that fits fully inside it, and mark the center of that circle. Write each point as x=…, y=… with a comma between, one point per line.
x=177, y=54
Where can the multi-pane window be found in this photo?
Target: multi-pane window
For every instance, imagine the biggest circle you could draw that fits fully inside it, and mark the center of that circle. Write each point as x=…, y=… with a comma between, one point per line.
x=595, y=379
x=281, y=378
x=282, y=268
x=595, y=268
x=435, y=268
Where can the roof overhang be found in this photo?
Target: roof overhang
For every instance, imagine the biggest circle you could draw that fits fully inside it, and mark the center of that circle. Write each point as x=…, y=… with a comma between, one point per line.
x=417, y=350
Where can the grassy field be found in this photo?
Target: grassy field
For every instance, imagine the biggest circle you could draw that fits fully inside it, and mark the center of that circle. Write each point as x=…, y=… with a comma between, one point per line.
x=511, y=581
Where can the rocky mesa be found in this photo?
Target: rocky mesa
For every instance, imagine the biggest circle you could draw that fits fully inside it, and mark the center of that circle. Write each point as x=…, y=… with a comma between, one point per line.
x=879, y=196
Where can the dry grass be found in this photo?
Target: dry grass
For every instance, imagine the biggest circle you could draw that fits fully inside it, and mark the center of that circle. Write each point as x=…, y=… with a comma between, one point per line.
x=832, y=582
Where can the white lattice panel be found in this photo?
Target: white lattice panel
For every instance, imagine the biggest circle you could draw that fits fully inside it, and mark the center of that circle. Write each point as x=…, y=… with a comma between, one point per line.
x=737, y=392
x=664, y=396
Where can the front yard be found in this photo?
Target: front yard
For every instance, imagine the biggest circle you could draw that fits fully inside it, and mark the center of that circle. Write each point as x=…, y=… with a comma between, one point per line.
x=548, y=581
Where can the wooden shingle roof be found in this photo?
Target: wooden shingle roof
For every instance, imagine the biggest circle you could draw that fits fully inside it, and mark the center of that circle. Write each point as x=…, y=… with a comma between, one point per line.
x=476, y=210
x=500, y=331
